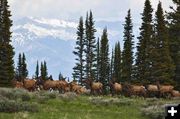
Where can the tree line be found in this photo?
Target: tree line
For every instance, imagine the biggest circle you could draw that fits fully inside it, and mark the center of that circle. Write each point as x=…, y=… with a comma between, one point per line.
x=156, y=60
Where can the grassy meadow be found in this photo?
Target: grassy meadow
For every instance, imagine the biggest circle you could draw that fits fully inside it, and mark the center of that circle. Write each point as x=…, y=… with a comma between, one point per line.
x=20, y=104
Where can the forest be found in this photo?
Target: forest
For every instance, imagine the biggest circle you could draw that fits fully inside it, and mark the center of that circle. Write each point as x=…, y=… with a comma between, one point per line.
x=155, y=62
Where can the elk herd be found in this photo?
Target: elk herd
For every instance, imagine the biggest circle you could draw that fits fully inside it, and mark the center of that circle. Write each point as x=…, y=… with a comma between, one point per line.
x=96, y=88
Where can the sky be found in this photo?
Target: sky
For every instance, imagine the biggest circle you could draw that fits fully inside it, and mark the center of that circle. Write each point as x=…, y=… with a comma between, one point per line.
x=109, y=10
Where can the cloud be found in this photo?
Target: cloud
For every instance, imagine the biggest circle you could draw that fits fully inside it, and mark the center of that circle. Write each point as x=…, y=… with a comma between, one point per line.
x=73, y=9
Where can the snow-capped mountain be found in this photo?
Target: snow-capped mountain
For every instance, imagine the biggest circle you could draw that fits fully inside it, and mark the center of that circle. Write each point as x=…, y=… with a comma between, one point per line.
x=53, y=40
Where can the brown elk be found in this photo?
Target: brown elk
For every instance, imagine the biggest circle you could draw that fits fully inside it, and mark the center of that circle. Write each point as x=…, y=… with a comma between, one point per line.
x=115, y=87
x=152, y=90
x=96, y=87
x=29, y=84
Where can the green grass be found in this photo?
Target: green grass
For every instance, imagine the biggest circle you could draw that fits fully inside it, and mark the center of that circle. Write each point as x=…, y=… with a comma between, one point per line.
x=89, y=107
x=81, y=108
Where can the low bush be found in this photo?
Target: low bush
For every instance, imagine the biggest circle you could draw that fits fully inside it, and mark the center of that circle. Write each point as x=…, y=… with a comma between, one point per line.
x=15, y=94
x=42, y=99
x=69, y=96
x=110, y=101
x=154, y=112
x=13, y=106
x=25, y=97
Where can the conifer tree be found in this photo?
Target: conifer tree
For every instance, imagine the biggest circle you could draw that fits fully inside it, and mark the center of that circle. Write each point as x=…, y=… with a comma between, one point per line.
x=163, y=67
x=143, y=61
x=127, y=54
x=112, y=65
x=7, y=72
x=174, y=33
x=45, y=70
x=98, y=60
x=42, y=71
x=60, y=76
x=37, y=71
x=104, y=60
x=117, y=63
x=19, y=68
x=90, y=47
x=24, y=67
x=79, y=52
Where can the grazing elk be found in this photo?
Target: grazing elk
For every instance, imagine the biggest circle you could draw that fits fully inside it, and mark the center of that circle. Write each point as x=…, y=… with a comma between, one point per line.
x=138, y=90
x=30, y=84
x=96, y=87
x=152, y=90
x=115, y=88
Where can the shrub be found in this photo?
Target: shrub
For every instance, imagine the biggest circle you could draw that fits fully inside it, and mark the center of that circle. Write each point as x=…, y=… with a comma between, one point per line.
x=15, y=94
x=42, y=99
x=52, y=95
x=25, y=97
x=110, y=101
x=69, y=96
x=154, y=112
x=13, y=106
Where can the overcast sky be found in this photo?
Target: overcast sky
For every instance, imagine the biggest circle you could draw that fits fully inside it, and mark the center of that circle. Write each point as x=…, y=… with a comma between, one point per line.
x=110, y=10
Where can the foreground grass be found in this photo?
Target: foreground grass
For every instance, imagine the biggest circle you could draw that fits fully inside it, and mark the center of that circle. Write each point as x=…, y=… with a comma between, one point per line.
x=80, y=108
x=89, y=107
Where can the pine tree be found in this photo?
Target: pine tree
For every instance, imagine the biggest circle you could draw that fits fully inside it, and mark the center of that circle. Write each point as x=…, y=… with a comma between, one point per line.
x=127, y=54
x=19, y=68
x=112, y=65
x=80, y=42
x=37, y=71
x=60, y=76
x=117, y=63
x=104, y=60
x=98, y=60
x=7, y=72
x=42, y=71
x=163, y=67
x=143, y=61
x=45, y=70
x=90, y=47
x=174, y=33
x=24, y=67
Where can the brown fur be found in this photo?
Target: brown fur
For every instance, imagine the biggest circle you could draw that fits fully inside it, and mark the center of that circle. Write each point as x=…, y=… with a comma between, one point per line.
x=50, y=84
x=166, y=88
x=138, y=90
x=175, y=93
x=30, y=84
x=18, y=84
x=62, y=86
x=117, y=87
x=152, y=88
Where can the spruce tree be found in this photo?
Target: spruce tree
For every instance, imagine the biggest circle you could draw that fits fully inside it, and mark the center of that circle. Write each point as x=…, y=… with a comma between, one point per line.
x=174, y=34
x=37, y=71
x=117, y=63
x=45, y=70
x=163, y=67
x=104, y=60
x=90, y=47
x=19, y=68
x=79, y=52
x=42, y=71
x=112, y=65
x=7, y=72
x=24, y=67
x=98, y=60
x=143, y=60
x=127, y=54
x=60, y=76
